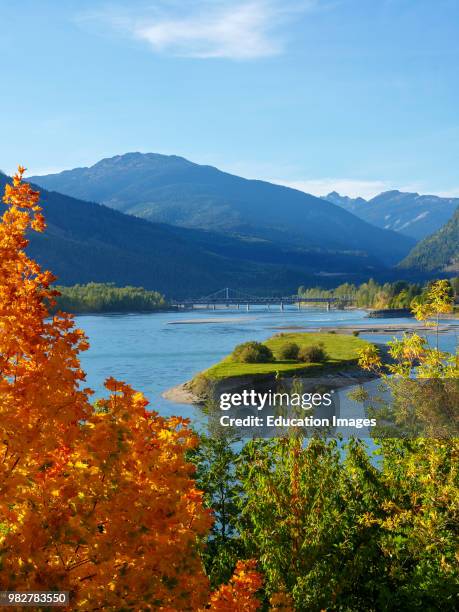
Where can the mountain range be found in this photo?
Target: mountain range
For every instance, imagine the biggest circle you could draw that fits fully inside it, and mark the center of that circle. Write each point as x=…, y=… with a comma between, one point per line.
x=165, y=223
x=173, y=190
x=85, y=241
x=411, y=214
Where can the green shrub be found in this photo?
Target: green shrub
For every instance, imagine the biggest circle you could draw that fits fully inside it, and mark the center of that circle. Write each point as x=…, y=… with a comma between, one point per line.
x=313, y=354
x=290, y=350
x=252, y=352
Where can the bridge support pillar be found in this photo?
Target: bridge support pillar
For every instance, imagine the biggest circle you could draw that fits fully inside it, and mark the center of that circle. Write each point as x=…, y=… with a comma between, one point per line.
x=299, y=305
x=328, y=306
x=282, y=306
x=213, y=307
x=248, y=307
x=238, y=306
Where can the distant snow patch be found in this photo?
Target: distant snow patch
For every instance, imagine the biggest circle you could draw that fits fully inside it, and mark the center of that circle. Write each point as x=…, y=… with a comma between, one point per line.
x=418, y=218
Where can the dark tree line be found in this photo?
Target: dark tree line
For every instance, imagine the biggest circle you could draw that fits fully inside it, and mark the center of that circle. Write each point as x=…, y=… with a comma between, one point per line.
x=99, y=297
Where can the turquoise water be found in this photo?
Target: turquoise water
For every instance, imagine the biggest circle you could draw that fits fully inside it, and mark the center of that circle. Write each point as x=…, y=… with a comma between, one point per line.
x=153, y=352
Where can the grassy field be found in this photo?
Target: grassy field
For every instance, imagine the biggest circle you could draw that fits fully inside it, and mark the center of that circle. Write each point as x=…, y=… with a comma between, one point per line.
x=341, y=350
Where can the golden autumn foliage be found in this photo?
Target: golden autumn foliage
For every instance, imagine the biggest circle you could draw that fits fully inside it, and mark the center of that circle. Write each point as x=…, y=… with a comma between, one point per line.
x=95, y=499
x=239, y=594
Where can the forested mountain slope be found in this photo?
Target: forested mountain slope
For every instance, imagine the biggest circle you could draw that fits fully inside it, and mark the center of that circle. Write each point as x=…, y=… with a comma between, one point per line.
x=173, y=190
x=87, y=242
x=437, y=252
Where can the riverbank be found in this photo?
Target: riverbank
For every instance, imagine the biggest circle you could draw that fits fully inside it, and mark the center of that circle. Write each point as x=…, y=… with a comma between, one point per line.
x=375, y=328
x=219, y=321
x=183, y=393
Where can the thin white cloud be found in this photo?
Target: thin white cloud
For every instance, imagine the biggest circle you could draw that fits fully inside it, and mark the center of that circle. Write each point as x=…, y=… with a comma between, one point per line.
x=344, y=186
x=450, y=193
x=229, y=29
x=33, y=171
x=43, y=170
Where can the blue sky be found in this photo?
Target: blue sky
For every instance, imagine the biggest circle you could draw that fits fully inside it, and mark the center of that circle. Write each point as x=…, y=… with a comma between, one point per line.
x=354, y=95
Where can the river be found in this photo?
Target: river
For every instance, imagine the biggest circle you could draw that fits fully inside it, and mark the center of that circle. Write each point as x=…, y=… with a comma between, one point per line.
x=153, y=352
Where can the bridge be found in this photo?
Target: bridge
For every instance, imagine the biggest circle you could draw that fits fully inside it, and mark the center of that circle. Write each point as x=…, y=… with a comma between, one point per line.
x=231, y=297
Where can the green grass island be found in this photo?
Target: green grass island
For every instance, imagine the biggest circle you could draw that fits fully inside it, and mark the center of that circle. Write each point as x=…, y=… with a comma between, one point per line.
x=341, y=352
x=338, y=368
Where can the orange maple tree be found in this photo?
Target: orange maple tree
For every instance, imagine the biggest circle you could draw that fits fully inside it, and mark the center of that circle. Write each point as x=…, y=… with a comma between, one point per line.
x=96, y=498
x=239, y=594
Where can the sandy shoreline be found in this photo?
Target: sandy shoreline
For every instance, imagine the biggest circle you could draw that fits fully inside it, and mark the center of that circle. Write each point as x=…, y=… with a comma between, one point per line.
x=216, y=320
x=181, y=394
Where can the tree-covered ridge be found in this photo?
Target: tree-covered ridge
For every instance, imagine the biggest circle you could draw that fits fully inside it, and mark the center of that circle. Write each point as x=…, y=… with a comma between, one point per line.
x=437, y=252
x=106, y=297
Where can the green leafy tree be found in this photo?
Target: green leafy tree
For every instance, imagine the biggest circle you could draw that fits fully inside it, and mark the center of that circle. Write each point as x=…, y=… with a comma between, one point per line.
x=215, y=460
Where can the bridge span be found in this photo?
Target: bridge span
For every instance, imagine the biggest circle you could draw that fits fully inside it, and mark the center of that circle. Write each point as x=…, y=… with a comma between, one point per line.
x=231, y=297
